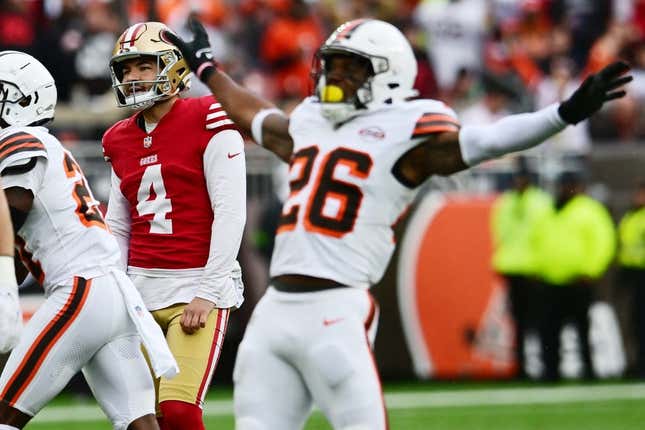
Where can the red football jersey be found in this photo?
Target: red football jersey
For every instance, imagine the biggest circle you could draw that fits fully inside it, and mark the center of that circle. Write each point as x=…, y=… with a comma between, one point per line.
x=162, y=177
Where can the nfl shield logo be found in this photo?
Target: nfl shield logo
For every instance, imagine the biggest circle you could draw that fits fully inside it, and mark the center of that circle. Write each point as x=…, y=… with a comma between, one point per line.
x=147, y=142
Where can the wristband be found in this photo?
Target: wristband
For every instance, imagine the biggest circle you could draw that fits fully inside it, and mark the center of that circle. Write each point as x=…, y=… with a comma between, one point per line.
x=258, y=120
x=205, y=69
x=7, y=272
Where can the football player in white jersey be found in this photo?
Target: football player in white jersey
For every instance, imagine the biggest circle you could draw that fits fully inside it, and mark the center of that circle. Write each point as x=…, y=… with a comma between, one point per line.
x=10, y=315
x=358, y=151
x=93, y=319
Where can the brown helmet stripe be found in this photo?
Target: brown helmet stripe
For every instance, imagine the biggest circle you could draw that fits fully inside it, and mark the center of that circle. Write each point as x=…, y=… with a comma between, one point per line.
x=349, y=28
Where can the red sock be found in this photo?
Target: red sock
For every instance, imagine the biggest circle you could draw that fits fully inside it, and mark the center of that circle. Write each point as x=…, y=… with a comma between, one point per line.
x=178, y=415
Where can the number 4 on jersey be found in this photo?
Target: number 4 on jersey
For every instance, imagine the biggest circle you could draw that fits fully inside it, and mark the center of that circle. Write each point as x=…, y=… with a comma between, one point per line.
x=152, y=200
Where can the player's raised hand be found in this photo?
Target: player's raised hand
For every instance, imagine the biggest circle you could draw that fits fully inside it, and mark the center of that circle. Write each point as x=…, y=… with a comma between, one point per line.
x=197, y=52
x=594, y=91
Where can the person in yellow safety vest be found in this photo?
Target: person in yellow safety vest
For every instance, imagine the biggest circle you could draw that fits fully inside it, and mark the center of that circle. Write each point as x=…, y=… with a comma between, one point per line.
x=513, y=216
x=631, y=258
x=575, y=246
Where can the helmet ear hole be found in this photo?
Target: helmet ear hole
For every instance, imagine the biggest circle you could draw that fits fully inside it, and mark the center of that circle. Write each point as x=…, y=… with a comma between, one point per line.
x=25, y=101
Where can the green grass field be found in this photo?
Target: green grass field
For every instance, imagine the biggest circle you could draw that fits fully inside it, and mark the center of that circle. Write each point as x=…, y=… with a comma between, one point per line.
x=455, y=406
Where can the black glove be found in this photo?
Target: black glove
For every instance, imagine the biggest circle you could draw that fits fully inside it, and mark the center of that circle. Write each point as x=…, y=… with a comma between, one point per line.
x=197, y=53
x=594, y=91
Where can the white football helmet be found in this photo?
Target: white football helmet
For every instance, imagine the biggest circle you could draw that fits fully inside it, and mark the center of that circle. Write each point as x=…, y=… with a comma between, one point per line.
x=27, y=90
x=393, y=64
x=146, y=39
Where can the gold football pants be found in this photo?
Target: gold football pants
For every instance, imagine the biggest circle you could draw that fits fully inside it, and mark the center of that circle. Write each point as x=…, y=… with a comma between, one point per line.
x=196, y=354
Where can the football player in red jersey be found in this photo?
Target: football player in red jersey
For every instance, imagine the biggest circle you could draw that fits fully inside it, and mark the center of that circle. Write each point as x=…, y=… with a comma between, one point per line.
x=10, y=315
x=359, y=149
x=178, y=207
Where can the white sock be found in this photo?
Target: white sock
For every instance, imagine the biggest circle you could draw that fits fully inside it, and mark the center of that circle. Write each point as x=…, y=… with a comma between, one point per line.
x=7, y=427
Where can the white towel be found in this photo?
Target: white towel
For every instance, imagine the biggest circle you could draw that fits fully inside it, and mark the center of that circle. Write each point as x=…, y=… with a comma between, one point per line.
x=161, y=359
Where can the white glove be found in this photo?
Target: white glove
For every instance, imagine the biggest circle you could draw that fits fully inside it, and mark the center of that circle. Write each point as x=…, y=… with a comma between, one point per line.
x=10, y=313
x=10, y=318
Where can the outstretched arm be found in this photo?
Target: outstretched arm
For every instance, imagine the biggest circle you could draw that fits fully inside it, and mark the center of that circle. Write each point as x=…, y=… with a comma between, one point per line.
x=449, y=152
x=268, y=125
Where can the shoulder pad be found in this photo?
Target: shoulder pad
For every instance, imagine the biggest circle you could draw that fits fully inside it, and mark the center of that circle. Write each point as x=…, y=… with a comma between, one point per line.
x=18, y=147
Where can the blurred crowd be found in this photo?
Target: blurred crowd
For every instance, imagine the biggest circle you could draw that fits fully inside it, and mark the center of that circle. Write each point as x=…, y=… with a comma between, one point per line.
x=486, y=58
x=556, y=250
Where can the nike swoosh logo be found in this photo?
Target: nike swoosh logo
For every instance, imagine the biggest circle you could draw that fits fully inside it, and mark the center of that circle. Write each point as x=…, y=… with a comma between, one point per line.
x=233, y=155
x=206, y=52
x=327, y=322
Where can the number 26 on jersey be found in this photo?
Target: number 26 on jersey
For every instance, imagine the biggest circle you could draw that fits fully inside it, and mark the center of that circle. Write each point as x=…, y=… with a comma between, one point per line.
x=347, y=196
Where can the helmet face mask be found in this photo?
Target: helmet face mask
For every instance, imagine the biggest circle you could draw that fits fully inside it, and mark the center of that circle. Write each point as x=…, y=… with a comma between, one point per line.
x=141, y=41
x=350, y=76
x=27, y=91
x=385, y=49
x=139, y=93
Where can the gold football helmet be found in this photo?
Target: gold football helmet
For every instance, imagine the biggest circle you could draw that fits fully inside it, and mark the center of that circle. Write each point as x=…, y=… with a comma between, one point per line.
x=145, y=39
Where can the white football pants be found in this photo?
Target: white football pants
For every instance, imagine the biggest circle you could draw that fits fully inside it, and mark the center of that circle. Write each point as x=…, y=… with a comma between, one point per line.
x=301, y=349
x=84, y=326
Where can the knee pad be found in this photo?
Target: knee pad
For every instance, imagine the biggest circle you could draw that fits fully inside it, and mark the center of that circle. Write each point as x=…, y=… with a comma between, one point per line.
x=178, y=415
x=332, y=362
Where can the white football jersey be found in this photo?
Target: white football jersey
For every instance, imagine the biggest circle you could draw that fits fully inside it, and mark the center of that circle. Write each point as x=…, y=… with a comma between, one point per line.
x=64, y=234
x=337, y=222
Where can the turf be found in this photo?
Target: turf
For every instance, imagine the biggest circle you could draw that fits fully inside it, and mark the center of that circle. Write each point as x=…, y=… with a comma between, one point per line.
x=614, y=414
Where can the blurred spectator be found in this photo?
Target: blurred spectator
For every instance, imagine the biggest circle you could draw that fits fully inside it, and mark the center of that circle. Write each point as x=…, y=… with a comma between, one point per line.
x=455, y=31
x=99, y=37
x=288, y=47
x=337, y=12
x=465, y=92
x=574, y=247
x=513, y=218
x=494, y=105
x=426, y=82
x=586, y=19
x=638, y=18
x=607, y=48
x=631, y=258
x=61, y=40
x=19, y=21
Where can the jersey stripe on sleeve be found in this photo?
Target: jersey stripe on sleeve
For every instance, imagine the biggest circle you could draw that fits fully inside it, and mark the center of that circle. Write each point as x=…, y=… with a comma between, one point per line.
x=431, y=123
x=19, y=142
x=217, y=120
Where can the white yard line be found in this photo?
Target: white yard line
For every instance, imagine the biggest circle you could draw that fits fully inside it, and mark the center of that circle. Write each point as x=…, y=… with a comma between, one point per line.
x=411, y=400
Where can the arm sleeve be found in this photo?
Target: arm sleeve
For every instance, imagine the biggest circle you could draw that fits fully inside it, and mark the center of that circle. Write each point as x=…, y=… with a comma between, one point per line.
x=225, y=172
x=118, y=218
x=510, y=134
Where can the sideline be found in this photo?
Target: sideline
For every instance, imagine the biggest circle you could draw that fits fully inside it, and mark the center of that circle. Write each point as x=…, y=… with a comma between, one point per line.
x=410, y=400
